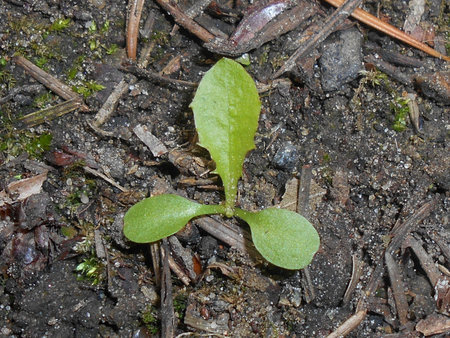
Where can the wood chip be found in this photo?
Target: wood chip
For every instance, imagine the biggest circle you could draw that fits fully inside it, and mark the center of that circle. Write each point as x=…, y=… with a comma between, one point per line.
x=434, y=324
x=108, y=108
x=152, y=142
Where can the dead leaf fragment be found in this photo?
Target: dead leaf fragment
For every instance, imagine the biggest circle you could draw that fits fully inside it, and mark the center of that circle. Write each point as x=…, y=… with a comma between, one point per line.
x=433, y=324
x=19, y=190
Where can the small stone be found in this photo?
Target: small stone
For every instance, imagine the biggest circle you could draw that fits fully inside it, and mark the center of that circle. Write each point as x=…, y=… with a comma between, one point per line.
x=341, y=60
x=286, y=157
x=84, y=198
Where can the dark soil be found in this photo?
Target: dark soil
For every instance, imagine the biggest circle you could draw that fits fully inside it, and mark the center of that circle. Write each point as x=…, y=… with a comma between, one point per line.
x=367, y=175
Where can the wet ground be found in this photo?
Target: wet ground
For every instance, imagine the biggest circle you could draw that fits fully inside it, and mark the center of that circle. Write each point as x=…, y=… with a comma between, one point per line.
x=333, y=126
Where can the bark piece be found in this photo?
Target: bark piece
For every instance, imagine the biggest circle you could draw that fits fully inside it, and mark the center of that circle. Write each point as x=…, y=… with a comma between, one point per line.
x=152, y=142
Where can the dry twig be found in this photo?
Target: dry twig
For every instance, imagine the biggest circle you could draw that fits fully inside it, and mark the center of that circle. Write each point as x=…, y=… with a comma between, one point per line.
x=167, y=313
x=357, y=269
x=134, y=17
x=303, y=209
x=230, y=234
x=329, y=26
x=47, y=114
x=398, y=288
x=184, y=20
x=376, y=23
x=108, y=108
x=156, y=78
x=50, y=81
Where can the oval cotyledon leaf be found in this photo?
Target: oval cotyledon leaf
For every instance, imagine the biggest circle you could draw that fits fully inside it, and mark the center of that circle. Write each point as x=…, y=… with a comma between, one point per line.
x=283, y=237
x=226, y=110
x=160, y=216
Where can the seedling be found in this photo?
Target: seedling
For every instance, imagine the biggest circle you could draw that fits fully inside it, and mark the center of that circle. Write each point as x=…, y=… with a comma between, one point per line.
x=226, y=112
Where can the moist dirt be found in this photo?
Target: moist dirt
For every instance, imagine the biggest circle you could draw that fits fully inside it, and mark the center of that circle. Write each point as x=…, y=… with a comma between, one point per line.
x=68, y=271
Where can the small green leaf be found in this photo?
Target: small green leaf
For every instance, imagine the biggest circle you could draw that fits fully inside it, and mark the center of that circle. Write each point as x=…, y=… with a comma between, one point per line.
x=160, y=216
x=226, y=110
x=283, y=237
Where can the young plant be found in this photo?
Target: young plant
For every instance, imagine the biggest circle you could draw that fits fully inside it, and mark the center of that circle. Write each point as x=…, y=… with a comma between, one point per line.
x=226, y=112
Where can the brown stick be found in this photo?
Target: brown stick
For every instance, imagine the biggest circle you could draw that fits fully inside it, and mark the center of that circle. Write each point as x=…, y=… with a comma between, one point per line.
x=398, y=288
x=357, y=270
x=303, y=209
x=396, y=33
x=333, y=21
x=134, y=17
x=106, y=111
x=167, y=313
x=230, y=234
x=49, y=81
x=156, y=78
x=184, y=20
x=425, y=260
x=349, y=325
x=47, y=114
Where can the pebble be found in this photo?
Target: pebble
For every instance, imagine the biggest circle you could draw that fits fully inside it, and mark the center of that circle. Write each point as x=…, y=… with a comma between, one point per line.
x=341, y=60
x=286, y=156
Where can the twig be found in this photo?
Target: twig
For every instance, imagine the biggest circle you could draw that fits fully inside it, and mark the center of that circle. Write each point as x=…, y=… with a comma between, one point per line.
x=156, y=261
x=156, y=147
x=144, y=55
x=303, y=191
x=134, y=17
x=376, y=23
x=106, y=178
x=167, y=313
x=401, y=230
x=349, y=325
x=183, y=256
x=230, y=234
x=47, y=114
x=425, y=261
x=356, y=274
x=250, y=35
x=49, y=81
x=389, y=70
x=303, y=209
x=184, y=20
x=177, y=270
x=398, y=288
x=155, y=77
x=333, y=21
x=110, y=104
x=196, y=9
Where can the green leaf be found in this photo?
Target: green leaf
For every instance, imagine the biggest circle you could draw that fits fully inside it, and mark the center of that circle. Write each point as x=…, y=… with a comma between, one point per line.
x=160, y=216
x=226, y=110
x=283, y=237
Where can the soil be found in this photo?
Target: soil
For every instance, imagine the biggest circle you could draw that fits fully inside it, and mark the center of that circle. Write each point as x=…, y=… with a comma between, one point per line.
x=66, y=268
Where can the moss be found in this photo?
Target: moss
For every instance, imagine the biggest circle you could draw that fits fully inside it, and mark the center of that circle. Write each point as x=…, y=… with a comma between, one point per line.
x=401, y=111
x=14, y=143
x=43, y=100
x=90, y=269
x=150, y=320
x=179, y=305
x=59, y=25
x=87, y=88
